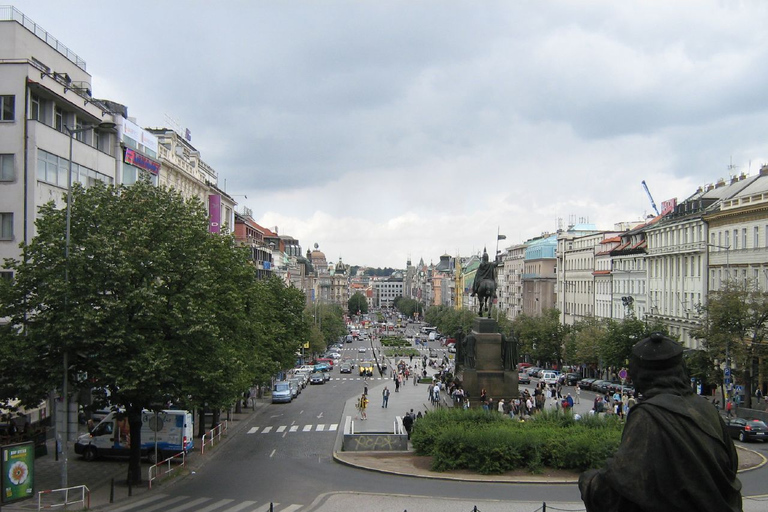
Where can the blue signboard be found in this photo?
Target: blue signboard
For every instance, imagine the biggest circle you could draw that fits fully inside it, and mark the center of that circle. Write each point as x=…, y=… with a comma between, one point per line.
x=727, y=372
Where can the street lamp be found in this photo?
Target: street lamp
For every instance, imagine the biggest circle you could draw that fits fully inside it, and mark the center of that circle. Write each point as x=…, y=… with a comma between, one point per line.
x=726, y=389
x=65, y=385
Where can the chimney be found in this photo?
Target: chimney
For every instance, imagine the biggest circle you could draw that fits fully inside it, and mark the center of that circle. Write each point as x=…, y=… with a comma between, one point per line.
x=764, y=170
x=720, y=183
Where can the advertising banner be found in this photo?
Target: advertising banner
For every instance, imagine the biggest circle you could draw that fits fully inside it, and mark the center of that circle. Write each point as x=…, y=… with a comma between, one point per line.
x=17, y=466
x=214, y=213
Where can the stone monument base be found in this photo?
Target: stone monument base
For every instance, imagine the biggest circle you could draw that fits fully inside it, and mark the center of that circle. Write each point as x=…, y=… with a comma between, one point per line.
x=489, y=372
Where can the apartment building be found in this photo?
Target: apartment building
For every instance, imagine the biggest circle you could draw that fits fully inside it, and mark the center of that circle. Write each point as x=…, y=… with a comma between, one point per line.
x=47, y=113
x=510, y=281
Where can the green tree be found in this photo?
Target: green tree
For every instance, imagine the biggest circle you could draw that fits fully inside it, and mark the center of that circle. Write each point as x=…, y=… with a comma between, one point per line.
x=328, y=321
x=734, y=324
x=142, y=312
x=542, y=337
x=357, y=302
x=408, y=306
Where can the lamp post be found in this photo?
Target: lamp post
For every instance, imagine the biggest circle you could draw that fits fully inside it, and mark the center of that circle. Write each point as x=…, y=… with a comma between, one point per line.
x=64, y=435
x=727, y=370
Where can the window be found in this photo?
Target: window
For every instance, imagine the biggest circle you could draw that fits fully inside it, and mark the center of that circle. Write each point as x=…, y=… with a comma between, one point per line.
x=6, y=275
x=6, y=226
x=735, y=238
x=743, y=238
x=7, y=108
x=58, y=118
x=727, y=239
x=756, y=241
x=35, y=113
x=7, y=171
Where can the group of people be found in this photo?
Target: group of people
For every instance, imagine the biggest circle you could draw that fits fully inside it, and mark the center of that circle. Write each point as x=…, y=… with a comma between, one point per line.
x=409, y=419
x=618, y=404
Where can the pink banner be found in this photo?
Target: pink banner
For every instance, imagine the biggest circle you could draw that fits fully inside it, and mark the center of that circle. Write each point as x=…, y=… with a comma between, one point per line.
x=214, y=213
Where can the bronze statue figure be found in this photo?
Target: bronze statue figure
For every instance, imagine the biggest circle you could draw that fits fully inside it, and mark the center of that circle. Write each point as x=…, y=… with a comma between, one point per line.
x=509, y=352
x=484, y=285
x=469, y=351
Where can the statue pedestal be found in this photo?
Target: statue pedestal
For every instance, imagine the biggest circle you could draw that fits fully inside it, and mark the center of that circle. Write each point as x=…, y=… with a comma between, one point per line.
x=489, y=372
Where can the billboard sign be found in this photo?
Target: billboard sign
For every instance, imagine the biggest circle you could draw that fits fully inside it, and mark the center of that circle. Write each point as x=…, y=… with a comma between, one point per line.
x=214, y=213
x=17, y=471
x=668, y=206
x=137, y=159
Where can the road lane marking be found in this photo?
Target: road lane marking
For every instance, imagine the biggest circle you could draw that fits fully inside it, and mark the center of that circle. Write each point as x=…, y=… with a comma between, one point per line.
x=214, y=506
x=273, y=452
x=253, y=430
x=281, y=428
x=307, y=428
x=266, y=430
x=333, y=427
x=240, y=506
x=320, y=427
x=294, y=428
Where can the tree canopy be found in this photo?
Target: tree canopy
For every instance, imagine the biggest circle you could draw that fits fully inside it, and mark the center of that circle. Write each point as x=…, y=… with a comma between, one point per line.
x=149, y=307
x=357, y=303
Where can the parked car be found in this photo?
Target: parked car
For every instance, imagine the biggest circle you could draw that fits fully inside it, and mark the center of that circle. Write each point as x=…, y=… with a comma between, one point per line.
x=570, y=379
x=746, y=429
x=523, y=378
x=549, y=377
x=294, y=388
x=600, y=386
x=531, y=370
x=317, y=378
x=334, y=355
x=299, y=383
x=586, y=383
x=282, y=393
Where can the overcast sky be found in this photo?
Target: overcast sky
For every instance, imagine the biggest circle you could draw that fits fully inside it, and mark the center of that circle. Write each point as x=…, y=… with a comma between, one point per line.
x=388, y=130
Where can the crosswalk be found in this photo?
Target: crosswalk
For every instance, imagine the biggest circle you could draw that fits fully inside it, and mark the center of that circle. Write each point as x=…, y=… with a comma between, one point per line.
x=320, y=427
x=169, y=503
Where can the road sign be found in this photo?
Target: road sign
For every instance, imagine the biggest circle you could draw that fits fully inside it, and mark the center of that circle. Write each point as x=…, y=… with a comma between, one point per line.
x=623, y=374
x=727, y=372
x=727, y=380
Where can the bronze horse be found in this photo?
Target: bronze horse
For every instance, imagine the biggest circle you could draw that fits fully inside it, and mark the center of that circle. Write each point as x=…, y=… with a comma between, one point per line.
x=486, y=291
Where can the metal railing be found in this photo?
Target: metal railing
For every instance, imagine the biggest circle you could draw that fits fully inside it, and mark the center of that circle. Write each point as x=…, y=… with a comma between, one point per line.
x=213, y=435
x=152, y=472
x=10, y=13
x=62, y=497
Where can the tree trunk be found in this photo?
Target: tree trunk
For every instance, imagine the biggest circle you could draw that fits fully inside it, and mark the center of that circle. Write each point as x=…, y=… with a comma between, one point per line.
x=134, y=463
x=201, y=422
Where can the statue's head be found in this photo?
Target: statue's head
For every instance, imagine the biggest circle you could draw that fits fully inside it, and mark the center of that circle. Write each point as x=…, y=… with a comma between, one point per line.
x=485, y=256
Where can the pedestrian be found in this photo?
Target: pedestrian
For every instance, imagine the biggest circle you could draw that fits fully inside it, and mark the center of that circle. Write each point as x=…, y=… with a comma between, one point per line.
x=729, y=408
x=363, y=407
x=663, y=449
x=578, y=393
x=758, y=394
x=408, y=424
x=501, y=406
x=397, y=385
x=365, y=386
x=385, y=397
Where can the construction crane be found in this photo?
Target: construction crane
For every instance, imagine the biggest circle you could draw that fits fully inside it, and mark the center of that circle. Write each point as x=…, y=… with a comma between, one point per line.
x=650, y=197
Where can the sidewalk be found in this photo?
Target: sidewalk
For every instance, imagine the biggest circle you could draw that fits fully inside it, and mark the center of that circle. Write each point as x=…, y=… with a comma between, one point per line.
x=98, y=475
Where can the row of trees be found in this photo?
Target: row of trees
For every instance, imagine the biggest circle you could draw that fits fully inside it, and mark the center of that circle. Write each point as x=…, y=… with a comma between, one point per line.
x=148, y=307
x=734, y=325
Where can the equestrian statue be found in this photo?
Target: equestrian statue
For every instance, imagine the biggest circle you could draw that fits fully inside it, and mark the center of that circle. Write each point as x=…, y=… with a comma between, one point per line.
x=484, y=285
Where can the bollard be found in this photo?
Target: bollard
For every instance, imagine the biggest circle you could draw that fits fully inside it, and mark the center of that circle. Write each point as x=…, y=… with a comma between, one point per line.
x=544, y=506
x=112, y=491
x=271, y=507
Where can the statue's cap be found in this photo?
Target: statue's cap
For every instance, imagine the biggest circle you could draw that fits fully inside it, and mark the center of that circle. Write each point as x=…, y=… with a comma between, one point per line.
x=657, y=352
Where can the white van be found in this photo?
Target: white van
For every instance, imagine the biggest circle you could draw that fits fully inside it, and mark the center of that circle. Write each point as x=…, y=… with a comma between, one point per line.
x=549, y=378
x=111, y=437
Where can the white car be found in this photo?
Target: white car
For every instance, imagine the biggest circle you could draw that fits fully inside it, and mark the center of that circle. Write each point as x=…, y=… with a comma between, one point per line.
x=334, y=355
x=361, y=349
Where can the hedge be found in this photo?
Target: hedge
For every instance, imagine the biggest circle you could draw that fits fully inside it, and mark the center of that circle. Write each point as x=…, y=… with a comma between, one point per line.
x=491, y=443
